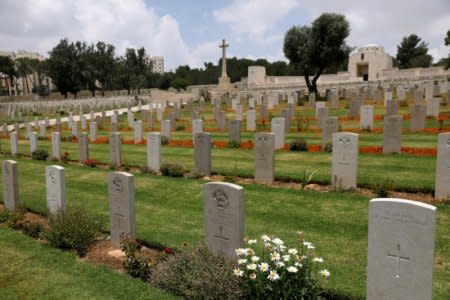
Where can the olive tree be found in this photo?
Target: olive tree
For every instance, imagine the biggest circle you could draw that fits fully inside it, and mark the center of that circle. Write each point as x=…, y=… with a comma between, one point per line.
x=313, y=49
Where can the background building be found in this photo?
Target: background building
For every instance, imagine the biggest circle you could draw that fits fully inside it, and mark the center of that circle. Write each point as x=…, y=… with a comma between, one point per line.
x=368, y=61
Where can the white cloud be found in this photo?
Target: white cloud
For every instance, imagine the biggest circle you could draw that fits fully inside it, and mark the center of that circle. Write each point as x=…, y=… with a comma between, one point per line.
x=39, y=25
x=387, y=22
x=254, y=17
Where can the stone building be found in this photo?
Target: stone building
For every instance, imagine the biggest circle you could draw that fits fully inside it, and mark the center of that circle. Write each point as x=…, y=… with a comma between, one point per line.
x=367, y=62
x=157, y=64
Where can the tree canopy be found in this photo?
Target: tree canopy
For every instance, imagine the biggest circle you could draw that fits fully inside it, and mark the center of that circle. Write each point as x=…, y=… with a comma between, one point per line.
x=413, y=53
x=316, y=48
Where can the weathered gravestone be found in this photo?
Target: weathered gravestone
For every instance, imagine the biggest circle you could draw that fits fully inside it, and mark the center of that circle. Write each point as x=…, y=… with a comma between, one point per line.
x=93, y=131
x=330, y=126
x=235, y=131
x=122, y=213
x=322, y=115
x=154, y=151
x=391, y=107
x=312, y=100
x=221, y=119
x=433, y=107
x=366, y=121
x=418, y=115
x=345, y=160
x=115, y=149
x=355, y=108
x=33, y=142
x=83, y=146
x=56, y=145
x=43, y=130
x=14, y=140
x=278, y=130
x=10, y=173
x=197, y=127
x=400, y=250
x=165, y=129
x=224, y=218
x=202, y=153
x=138, y=132
x=442, y=182
x=264, y=157
x=251, y=120
x=286, y=115
x=56, y=188
x=392, y=134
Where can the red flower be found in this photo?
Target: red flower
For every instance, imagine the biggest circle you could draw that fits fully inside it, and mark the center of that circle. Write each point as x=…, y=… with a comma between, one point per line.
x=167, y=250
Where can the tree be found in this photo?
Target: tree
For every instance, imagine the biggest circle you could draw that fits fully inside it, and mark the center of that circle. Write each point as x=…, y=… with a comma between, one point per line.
x=105, y=65
x=413, y=53
x=313, y=49
x=8, y=68
x=63, y=67
x=24, y=69
x=447, y=38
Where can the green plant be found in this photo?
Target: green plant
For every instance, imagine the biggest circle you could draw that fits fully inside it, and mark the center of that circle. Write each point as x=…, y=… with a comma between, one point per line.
x=164, y=140
x=180, y=127
x=280, y=272
x=328, y=147
x=136, y=265
x=233, y=144
x=298, y=144
x=39, y=154
x=302, y=123
x=32, y=229
x=73, y=229
x=172, y=169
x=65, y=157
x=196, y=273
x=382, y=189
x=306, y=179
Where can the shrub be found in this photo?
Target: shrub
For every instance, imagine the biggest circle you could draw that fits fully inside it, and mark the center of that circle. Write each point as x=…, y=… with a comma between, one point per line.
x=136, y=265
x=74, y=229
x=195, y=273
x=302, y=123
x=91, y=163
x=32, y=229
x=39, y=154
x=233, y=144
x=65, y=157
x=180, y=127
x=172, y=169
x=281, y=272
x=299, y=144
x=146, y=170
x=328, y=147
x=164, y=140
x=382, y=189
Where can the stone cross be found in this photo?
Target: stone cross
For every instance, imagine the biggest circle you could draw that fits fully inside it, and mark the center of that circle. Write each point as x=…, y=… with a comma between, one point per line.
x=224, y=58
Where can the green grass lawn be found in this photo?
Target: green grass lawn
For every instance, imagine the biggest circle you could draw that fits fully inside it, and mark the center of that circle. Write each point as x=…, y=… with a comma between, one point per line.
x=170, y=211
x=407, y=172
x=31, y=270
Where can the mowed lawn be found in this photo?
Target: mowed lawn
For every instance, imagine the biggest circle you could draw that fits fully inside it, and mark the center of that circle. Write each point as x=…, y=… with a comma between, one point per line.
x=31, y=270
x=170, y=211
x=404, y=171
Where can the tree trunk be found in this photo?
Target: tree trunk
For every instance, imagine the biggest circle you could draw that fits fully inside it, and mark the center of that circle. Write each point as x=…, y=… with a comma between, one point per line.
x=65, y=95
x=314, y=82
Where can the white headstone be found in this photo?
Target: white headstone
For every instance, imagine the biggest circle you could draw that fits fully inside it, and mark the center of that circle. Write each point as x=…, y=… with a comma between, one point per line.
x=56, y=188
x=400, y=256
x=345, y=160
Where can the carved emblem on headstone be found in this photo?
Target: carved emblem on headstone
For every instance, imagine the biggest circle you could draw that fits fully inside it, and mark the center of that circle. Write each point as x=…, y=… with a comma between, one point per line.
x=221, y=199
x=117, y=185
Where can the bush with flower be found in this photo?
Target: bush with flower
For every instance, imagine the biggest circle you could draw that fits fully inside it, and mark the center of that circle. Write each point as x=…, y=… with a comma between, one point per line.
x=280, y=272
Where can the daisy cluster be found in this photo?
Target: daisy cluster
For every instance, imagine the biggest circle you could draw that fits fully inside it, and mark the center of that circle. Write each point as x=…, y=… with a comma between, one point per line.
x=278, y=261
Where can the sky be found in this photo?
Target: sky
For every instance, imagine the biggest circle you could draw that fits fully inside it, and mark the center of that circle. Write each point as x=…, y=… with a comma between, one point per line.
x=189, y=32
